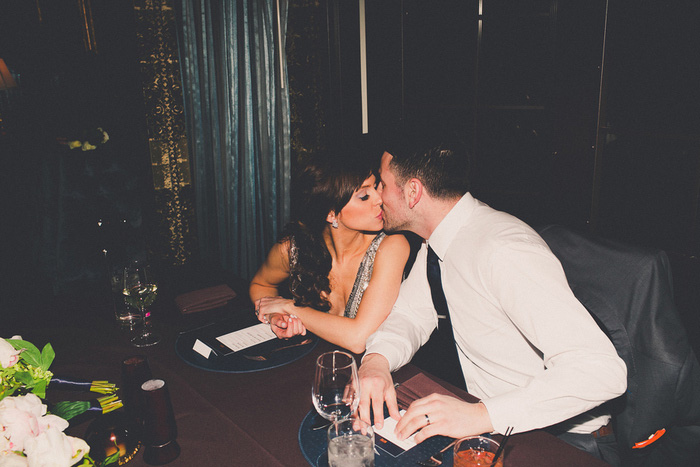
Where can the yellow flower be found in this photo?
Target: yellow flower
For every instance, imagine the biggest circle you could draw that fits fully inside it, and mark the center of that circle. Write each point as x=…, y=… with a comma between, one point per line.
x=105, y=136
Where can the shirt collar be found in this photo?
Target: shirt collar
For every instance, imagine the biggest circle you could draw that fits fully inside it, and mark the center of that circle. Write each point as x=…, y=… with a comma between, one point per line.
x=446, y=230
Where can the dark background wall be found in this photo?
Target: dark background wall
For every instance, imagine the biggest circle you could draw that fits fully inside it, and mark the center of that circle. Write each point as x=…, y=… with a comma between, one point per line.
x=550, y=143
x=62, y=208
x=582, y=113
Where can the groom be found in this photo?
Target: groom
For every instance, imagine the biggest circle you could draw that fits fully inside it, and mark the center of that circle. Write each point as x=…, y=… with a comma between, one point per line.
x=527, y=348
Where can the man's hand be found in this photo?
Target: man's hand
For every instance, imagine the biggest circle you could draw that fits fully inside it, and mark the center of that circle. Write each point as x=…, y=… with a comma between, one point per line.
x=377, y=388
x=270, y=305
x=285, y=326
x=448, y=416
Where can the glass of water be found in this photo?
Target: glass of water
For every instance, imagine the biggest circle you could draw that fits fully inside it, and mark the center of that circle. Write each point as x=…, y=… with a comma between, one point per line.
x=350, y=444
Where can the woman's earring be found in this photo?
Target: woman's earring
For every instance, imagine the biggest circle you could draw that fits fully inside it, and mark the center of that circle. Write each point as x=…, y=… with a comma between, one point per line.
x=334, y=224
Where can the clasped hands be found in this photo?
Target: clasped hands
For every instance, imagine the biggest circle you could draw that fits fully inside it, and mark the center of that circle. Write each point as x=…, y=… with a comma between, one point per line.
x=447, y=416
x=276, y=312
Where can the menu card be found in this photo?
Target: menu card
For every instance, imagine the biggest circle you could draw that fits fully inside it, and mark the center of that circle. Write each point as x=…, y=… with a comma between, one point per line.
x=416, y=387
x=247, y=337
x=387, y=432
x=231, y=342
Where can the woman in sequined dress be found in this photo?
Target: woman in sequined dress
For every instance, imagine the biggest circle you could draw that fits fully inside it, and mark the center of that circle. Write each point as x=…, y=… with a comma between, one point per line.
x=343, y=272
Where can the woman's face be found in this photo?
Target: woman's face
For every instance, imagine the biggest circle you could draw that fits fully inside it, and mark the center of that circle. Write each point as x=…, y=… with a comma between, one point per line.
x=364, y=210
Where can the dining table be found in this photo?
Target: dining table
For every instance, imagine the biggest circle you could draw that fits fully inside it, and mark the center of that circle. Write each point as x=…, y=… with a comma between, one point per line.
x=229, y=418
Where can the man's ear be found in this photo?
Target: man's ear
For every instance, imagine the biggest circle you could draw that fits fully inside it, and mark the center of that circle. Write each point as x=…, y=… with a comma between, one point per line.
x=414, y=192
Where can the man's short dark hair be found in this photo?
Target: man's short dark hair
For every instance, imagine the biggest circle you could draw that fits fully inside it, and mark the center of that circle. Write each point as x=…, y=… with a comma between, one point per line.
x=440, y=162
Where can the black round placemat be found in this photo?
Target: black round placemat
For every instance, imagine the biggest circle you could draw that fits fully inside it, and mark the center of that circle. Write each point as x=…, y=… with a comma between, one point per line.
x=237, y=362
x=314, y=444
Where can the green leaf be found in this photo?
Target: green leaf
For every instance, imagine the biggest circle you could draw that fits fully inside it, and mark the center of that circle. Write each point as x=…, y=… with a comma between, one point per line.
x=67, y=409
x=8, y=391
x=85, y=462
x=31, y=353
x=47, y=356
x=112, y=458
x=25, y=378
x=40, y=388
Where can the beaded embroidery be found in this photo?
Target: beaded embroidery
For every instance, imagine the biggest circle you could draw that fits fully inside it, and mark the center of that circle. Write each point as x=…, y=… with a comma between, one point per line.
x=364, y=273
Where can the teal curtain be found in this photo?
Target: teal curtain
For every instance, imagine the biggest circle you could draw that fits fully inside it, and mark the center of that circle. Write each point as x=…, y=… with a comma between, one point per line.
x=237, y=111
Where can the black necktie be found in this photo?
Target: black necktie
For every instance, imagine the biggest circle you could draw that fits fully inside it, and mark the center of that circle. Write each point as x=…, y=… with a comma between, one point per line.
x=439, y=355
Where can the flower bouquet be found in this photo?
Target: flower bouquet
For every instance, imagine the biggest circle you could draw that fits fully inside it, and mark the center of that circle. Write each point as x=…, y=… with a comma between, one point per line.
x=30, y=434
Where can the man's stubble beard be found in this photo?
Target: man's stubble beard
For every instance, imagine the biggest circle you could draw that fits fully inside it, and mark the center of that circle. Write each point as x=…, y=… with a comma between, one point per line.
x=391, y=227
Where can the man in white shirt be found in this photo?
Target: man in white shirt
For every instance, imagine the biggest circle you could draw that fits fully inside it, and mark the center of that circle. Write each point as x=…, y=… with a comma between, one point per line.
x=527, y=348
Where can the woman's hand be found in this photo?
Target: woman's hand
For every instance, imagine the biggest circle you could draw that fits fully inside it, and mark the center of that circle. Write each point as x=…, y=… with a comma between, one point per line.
x=274, y=310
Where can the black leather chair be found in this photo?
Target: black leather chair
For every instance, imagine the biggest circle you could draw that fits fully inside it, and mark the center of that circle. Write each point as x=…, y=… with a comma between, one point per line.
x=629, y=292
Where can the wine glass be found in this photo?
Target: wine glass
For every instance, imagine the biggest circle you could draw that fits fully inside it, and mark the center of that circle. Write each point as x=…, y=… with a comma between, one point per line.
x=140, y=292
x=336, y=388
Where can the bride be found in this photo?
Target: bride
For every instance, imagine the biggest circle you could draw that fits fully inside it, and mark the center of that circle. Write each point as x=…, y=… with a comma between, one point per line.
x=343, y=271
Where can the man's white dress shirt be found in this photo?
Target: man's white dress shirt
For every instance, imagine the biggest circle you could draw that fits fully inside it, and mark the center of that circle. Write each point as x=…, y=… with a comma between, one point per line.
x=528, y=349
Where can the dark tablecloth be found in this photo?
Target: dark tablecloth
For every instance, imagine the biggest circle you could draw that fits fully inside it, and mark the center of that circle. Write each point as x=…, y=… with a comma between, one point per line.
x=234, y=419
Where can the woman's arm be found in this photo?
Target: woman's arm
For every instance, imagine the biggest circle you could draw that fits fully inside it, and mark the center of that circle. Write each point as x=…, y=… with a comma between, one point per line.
x=273, y=272
x=263, y=287
x=375, y=306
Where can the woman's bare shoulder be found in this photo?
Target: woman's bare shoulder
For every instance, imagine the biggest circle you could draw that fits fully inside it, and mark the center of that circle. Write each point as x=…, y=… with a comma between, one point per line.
x=396, y=240
x=395, y=245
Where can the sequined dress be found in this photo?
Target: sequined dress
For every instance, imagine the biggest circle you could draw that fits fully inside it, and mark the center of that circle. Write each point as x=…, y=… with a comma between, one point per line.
x=364, y=273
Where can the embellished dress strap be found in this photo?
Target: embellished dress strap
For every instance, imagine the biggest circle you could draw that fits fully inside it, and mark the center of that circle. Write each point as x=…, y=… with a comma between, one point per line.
x=293, y=262
x=364, y=274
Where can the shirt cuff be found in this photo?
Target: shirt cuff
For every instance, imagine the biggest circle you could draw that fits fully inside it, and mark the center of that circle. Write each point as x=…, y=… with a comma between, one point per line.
x=499, y=415
x=504, y=413
x=389, y=351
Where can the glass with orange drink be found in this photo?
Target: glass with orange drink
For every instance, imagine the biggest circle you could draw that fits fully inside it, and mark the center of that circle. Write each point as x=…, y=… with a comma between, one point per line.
x=474, y=451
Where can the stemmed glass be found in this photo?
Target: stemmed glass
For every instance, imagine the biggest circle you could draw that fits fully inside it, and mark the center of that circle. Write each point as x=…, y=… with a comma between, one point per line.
x=336, y=388
x=140, y=292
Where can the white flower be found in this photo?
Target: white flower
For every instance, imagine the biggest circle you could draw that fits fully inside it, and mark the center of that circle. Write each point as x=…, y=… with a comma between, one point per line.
x=4, y=446
x=8, y=355
x=24, y=417
x=12, y=459
x=53, y=448
x=8, y=457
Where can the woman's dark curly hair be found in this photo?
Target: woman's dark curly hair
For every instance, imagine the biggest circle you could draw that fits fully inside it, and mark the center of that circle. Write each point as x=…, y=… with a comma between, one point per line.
x=324, y=184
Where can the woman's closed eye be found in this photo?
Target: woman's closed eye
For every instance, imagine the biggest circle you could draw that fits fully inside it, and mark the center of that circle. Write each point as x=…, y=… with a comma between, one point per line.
x=363, y=194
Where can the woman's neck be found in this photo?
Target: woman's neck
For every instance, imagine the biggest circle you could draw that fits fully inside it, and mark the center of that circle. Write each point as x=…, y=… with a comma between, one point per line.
x=344, y=243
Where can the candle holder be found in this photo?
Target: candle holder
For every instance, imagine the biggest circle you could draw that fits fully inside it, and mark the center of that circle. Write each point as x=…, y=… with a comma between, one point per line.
x=110, y=432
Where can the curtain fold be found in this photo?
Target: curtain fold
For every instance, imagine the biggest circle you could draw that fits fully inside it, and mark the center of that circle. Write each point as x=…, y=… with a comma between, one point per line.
x=237, y=110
